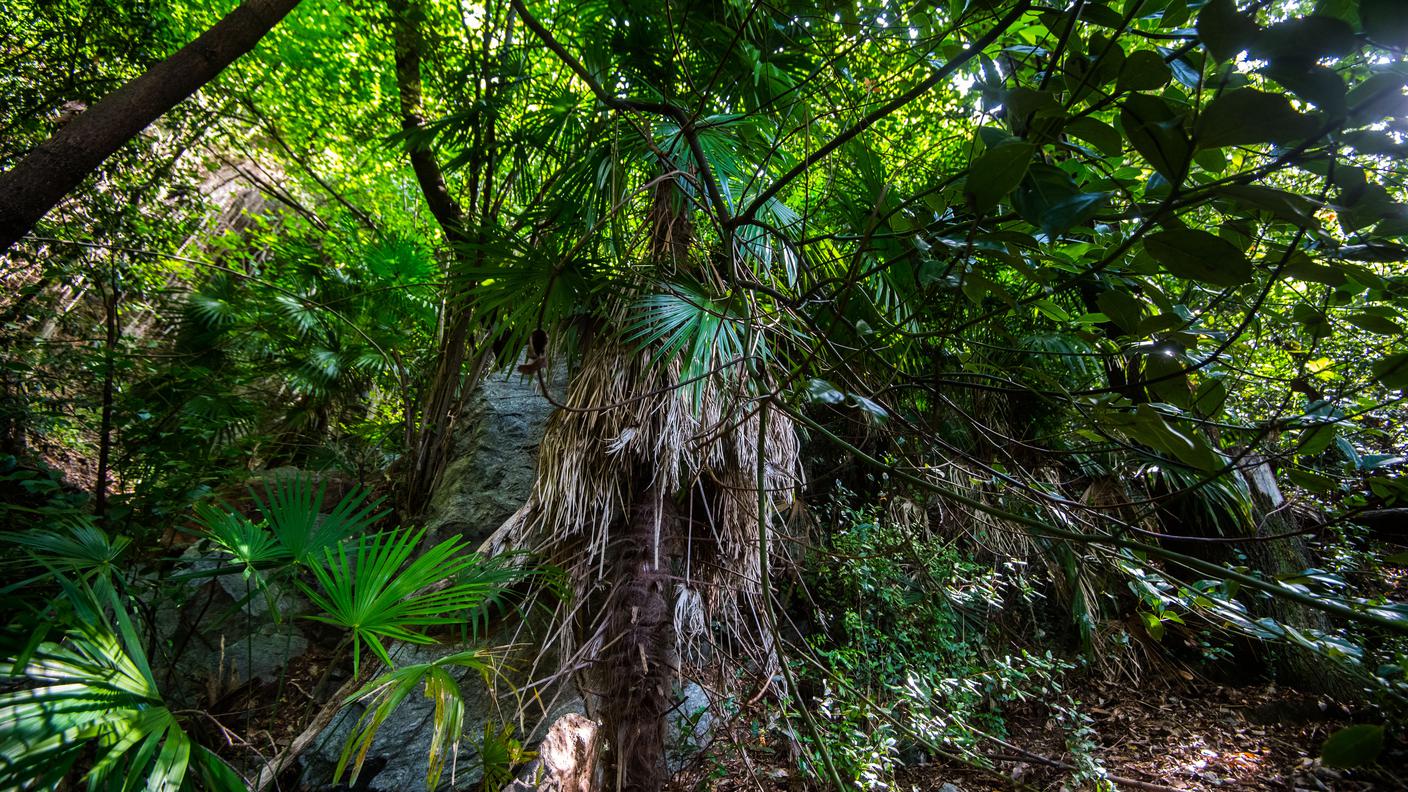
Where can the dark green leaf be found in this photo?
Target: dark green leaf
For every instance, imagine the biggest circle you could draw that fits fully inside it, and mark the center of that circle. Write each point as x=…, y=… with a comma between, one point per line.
x=1314, y=83
x=1071, y=211
x=1305, y=39
x=1104, y=137
x=1384, y=22
x=1316, y=439
x=1378, y=96
x=1353, y=746
x=1302, y=267
x=1156, y=132
x=1224, y=31
x=1144, y=70
x=1246, y=116
x=1284, y=205
x=1189, y=253
x=1392, y=371
x=1211, y=397
x=1122, y=308
x=1374, y=324
x=1312, y=481
x=997, y=172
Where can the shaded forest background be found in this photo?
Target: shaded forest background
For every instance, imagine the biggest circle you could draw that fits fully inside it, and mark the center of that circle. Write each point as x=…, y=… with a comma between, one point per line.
x=427, y=394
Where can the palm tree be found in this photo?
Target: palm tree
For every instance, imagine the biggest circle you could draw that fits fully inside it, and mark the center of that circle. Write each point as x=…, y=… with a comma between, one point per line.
x=655, y=256
x=735, y=200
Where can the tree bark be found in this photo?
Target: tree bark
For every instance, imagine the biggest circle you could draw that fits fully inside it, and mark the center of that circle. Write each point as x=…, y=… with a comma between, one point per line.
x=30, y=189
x=635, y=665
x=444, y=391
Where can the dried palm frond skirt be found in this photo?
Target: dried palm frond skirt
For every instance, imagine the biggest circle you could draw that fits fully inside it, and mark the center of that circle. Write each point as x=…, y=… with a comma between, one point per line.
x=636, y=469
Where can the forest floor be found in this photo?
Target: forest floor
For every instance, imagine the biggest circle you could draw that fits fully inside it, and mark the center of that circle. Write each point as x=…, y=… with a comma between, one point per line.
x=1153, y=736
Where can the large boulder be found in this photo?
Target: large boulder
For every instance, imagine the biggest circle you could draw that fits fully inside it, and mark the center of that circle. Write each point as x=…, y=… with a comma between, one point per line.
x=495, y=458
x=218, y=632
x=398, y=758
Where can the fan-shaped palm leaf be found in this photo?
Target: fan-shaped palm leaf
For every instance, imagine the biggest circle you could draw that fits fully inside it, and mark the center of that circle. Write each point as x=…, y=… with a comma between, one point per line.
x=379, y=592
x=92, y=691
x=292, y=509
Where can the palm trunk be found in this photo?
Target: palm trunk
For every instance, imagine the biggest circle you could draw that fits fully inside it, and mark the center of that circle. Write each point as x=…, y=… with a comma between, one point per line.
x=635, y=666
x=30, y=189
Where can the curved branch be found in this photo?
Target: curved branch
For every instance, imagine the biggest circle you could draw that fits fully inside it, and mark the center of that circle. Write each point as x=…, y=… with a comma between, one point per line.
x=940, y=74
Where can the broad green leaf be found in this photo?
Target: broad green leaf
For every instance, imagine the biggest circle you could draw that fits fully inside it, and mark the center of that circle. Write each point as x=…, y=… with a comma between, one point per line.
x=1392, y=371
x=1247, y=116
x=1377, y=96
x=1049, y=198
x=1374, y=324
x=1148, y=426
x=1210, y=397
x=1316, y=439
x=1224, y=31
x=1156, y=132
x=997, y=172
x=1153, y=625
x=1353, y=746
x=1071, y=211
x=1122, y=308
x=1385, y=22
x=1103, y=136
x=1319, y=85
x=1305, y=39
x=1312, y=481
x=1198, y=255
x=1284, y=205
x=1302, y=267
x=1143, y=70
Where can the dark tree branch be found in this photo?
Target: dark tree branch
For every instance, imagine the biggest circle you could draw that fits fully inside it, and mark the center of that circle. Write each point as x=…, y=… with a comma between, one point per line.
x=30, y=189
x=443, y=207
x=940, y=74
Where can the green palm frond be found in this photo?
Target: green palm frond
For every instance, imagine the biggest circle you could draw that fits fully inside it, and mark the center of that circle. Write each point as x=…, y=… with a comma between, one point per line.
x=685, y=323
x=292, y=509
x=383, y=694
x=77, y=545
x=249, y=544
x=1223, y=503
x=90, y=691
x=300, y=311
x=379, y=592
x=525, y=287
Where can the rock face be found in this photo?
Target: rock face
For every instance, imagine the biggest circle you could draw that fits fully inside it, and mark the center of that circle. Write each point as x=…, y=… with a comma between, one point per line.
x=495, y=458
x=399, y=754
x=493, y=467
x=566, y=760
x=225, y=631
x=688, y=726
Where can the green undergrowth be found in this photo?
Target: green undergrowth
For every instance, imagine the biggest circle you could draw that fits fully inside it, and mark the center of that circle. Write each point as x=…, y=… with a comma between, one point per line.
x=910, y=660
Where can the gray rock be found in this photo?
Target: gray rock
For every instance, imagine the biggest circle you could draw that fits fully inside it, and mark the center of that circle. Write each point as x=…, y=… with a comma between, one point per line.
x=399, y=755
x=566, y=761
x=689, y=725
x=217, y=633
x=495, y=458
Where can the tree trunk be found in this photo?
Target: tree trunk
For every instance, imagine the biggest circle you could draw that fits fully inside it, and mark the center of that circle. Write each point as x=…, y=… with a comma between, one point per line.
x=1286, y=556
x=444, y=391
x=110, y=323
x=635, y=666
x=31, y=188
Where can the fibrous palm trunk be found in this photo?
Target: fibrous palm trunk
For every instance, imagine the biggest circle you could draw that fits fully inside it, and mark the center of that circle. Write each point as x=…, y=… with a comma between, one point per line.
x=625, y=448
x=639, y=641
